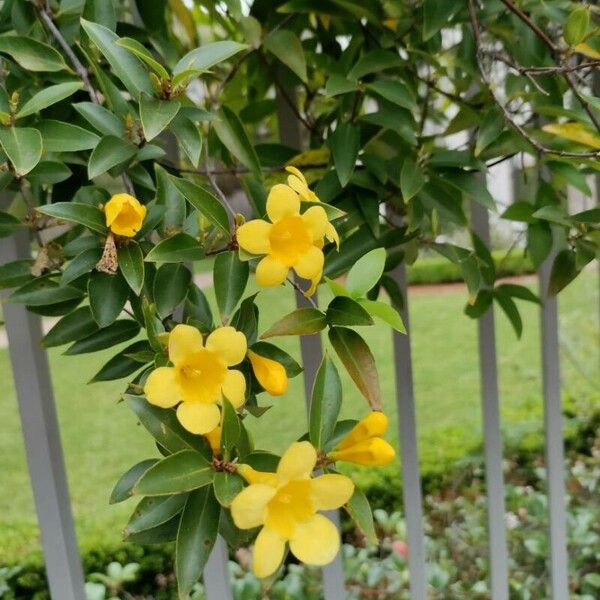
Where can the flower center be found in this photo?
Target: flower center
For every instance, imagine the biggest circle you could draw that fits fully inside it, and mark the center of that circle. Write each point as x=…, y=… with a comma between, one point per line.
x=127, y=217
x=289, y=239
x=290, y=505
x=200, y=376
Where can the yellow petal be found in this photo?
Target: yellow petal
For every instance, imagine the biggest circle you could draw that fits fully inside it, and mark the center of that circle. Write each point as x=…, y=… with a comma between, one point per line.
x=576, y=132
x=270, y=374
x=234, y=387
x=249, y=507
x=270, y=272
x=269, y=550
x=113, y=207
x=374, y=424
x=310, y=264
x=161, y=388
x=587, y=50
x=316, y=541
x=124, y=215
x=316, y=221
x=294, y=171
x=298, y=183
x=282, y=202
x=374, y=452
x=229, y=344
x=297, y=462
x=198, y=417
x=183, y=341
x=214, y=439
x=331, y=491
x=253, y=236
x=253, y=476
x=332, y=235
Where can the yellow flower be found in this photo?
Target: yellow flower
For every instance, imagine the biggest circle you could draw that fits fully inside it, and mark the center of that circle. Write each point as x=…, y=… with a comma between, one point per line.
x=298, y=183
x=269, y=373
x=291, y=240
x=214, y=439
x=200, y=376
x=285, y=504
x=124, y=215
x=364, y=445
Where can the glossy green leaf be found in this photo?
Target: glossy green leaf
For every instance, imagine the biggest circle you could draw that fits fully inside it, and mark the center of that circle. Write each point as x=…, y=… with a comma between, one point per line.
x=303, y=321
x=388, y=314
x=231, y=429
x=564, y=270
x=124, y=487
x=107, y=337
x=344, y=144
x=48, y=96
x=31, y=54
x=110, y=152
x=156, y=114
x=73, y=326
x=325, y=403
x=366, y=272
x=208, y=55
x=197, y=309
x=507, y=304
x=180, y=247
x=9, y=224
x=287, y=47
x=23, y=146
x=108, y=295
x=436, y=15
x=347, y=312
x=577, y=25
x=40, y=292
x=188, y=136
x=16, y=273
x=411, y=179
x=100, y=118
x=49, y=172
x=170, y=287
x=395, y=92
x=154, y=511
x=124, y=363
x=131, y=264
x=84, y=214
x=226, y=487
x=338, y=84
x=144, y=55
x=359, y=509
x=374, y=62
x=230, y=276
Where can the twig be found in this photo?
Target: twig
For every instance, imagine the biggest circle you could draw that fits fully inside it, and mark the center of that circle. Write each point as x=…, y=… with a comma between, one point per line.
x=215, y=185
x=533, y=26
x=239, y=170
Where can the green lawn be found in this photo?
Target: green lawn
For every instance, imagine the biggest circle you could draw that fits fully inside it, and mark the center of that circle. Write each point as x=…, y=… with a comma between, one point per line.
x=101, y=438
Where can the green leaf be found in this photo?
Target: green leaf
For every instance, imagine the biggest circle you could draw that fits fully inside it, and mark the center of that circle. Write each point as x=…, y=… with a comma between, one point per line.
x=359, y=509
x=338, y=84
x=110, y=152
x=108, y=295
x=15, y=273
x=197, y=309
x=227, y=486
x=587, y=216
x=171, y=284
x=553, y=213
x=195, y=538
x=489, y=130
x=156, y=114
x=231, y=429
x=411, y=179
x=472, y=185
x=374, y=62
x=344, y=144
x=519, y=211
x=204, y=202
x=208, y=55
x=436, y=14
x=123, y=489
x=325, y=403
x=9, y=224
x=539, y=242
x=73, y=326
x=126, y=67
x=346, y=311
x=124, y=363
x=84, y=214
x=41, y=292
x=31, y=54
x=366, y=272
x=23, y=146
x=359, y=362
x=273, y=352
x=518, y=291
x=49, y=172
x=180, y=247
x=303, y=321
x=164, y=427
x=131, y=263
x=144, y=55
x=180, y=472
x=117, y=332
x=388, y=314
x=564, y=270
x=287, y=47
x=230, y=276
x=188, y=136
x=507, y=304
x=395, y=92
x=577, y=25
x=152, y=512
x=99, y=117
x=232, y=134
x=48, y=96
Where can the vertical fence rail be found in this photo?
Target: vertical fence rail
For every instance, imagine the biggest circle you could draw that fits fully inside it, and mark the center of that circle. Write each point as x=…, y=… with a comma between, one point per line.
x=492, y=438
x=407, y=429
x=42, y=439
x=310, y=346
x=217, y=583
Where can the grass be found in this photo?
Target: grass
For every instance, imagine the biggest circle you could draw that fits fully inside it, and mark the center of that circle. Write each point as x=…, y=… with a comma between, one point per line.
x=101, y=438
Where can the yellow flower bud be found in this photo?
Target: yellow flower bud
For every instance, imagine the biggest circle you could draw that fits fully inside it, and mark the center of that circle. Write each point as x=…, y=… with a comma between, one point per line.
x=270, y=374
x=124, y=215
x=214, y=439
x=364, y=445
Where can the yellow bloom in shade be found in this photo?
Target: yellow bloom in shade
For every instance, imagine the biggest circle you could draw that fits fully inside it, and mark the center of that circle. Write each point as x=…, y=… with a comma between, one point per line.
x=269, y=373
x=290, y=240
x=298, y=183
x=124, y=215
x=364, y=445
x=200, y=376
x=285, y=504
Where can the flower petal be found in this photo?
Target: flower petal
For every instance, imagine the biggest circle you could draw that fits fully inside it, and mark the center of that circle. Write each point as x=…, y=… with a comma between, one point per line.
x=315, y=219
x=282, y=202
x=316, y=541
x=373, y=452
x=234, y=387
x=161, y=388
x=269, y=550
x=198, y=417
x=374, y=424
x=332, y=235
x=113, y=207
x=270, y=374
x=294, y=171
x=183, y=341
x=229, y=344
x=297, y=462
x=253, y=476
x=249, y=507
x=310, y=264
x=270, y=272
x=331, y=491
x=253, y=236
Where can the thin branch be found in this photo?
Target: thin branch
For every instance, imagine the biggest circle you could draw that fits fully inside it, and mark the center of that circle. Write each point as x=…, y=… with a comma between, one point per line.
x=240, y=170
x=214, y=184
x=531, y=24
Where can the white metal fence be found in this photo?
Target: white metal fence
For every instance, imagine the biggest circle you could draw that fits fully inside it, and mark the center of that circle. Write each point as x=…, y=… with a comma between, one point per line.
x=46, y=465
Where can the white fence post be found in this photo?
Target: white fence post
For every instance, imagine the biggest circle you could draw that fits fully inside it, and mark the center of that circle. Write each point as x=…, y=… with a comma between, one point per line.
x=42, y=439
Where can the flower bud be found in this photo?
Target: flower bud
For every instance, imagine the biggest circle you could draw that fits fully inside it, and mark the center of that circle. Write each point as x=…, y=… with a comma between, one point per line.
x=270, y=374
x=124, y=215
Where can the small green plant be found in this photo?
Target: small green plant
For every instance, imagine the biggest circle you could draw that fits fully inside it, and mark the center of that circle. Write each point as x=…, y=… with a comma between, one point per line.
x=109, y=585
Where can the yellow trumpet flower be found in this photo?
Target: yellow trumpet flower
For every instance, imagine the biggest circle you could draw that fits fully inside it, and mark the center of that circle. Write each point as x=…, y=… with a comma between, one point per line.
x=124, y=215
x=269, y=373
x=286, y=505
x=364, y=445
x=200, y=376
